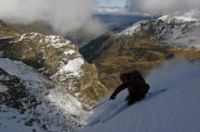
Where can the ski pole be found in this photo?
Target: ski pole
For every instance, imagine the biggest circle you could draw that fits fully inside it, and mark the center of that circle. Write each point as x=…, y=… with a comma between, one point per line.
x=97, y=105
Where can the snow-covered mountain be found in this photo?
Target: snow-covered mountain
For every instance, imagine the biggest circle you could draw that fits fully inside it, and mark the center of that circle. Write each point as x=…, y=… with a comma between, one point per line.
x=177, y=31
x=176, y=109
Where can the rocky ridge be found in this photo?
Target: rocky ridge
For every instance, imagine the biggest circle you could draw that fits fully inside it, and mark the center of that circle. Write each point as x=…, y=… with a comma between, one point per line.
x=60, y=60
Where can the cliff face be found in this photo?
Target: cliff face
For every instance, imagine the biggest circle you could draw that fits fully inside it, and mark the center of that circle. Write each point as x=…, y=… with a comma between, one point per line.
x=59, y=60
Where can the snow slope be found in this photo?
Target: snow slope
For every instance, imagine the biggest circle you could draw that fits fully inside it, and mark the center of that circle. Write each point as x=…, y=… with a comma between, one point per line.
x=55, y=109
x=12, y=121
x=175, y=110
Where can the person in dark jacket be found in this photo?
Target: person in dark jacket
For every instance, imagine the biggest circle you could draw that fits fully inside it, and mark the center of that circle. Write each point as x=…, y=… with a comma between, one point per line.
x=137, y=87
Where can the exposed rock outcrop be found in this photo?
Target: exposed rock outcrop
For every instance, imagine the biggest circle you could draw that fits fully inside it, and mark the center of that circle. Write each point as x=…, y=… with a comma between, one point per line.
x=60, y=60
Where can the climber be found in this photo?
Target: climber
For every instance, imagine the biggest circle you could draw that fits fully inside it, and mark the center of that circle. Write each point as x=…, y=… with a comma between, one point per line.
x=136, y=85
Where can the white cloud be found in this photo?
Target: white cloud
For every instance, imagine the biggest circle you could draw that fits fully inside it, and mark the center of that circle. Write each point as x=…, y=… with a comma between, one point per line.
x=63, y=15
x=164, y=6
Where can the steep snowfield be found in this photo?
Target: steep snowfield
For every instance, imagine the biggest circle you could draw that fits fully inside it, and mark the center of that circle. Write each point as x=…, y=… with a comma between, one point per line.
x=56, y=109
x=174, y=110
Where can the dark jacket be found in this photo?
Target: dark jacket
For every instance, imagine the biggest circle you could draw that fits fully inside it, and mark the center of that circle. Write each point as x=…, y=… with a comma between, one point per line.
x=137, y=87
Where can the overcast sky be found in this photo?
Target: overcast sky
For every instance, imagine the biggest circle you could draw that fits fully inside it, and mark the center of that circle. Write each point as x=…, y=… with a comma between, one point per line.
x=170, y=7
x=111, y=3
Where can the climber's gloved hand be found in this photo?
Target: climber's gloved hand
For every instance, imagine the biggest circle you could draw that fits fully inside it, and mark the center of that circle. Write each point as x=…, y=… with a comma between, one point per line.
x=112, y=97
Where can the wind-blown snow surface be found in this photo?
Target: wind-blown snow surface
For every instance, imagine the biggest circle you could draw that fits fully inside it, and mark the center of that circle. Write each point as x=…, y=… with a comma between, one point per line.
x=175, y=110
x=12, y=121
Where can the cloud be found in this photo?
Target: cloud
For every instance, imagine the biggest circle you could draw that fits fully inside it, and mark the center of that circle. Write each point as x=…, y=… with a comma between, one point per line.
x=62, y=15
x=163, y=6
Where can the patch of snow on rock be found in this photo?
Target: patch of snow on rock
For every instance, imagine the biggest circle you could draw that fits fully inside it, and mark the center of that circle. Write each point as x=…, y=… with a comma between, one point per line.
x=178, y=19
x=72, y=68
x=131, y=30
x=56, y=41
x=69, y=52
